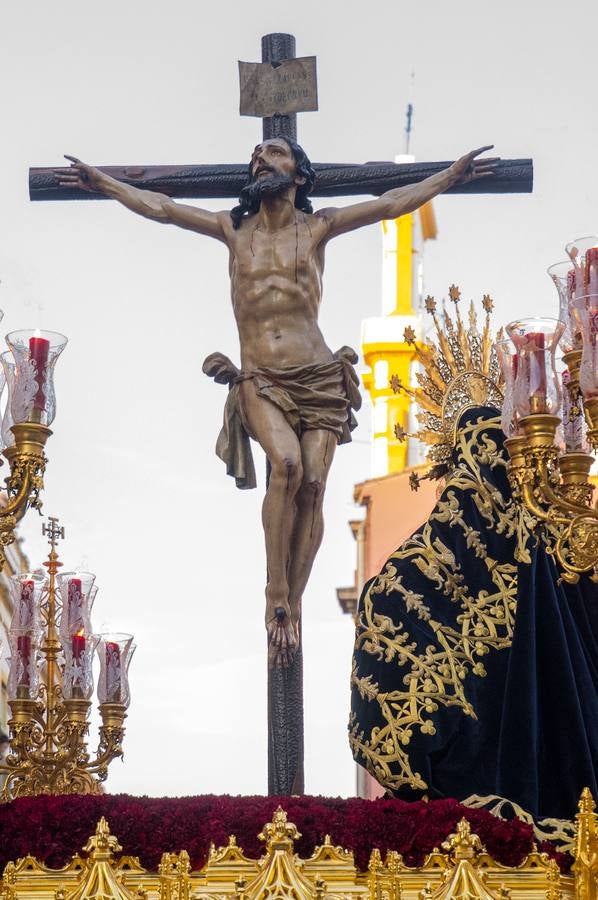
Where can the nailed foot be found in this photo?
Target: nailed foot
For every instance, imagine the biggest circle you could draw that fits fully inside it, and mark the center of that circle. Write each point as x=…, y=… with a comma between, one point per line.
x=282, y=636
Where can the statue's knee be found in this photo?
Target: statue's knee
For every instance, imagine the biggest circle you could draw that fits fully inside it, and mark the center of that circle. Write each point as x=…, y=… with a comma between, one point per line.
x=312, y=490
x=288, y=470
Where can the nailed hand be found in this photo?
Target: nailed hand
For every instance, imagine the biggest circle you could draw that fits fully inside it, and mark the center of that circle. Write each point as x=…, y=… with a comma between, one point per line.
x=468, y=168
x=80, y=175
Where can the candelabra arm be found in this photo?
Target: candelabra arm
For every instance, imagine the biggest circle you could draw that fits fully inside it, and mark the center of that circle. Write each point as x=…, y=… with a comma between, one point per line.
x=27, y=465
x=528, y=495
x=111, y=735
x=532, y=455
x=17, y=506
x=572, y=529
x=556, y=499
x=109, y=748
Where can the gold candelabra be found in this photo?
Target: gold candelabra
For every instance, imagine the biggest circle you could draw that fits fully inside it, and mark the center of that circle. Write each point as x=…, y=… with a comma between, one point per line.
x=545, y=420
x=50, y=684
x=27, y=371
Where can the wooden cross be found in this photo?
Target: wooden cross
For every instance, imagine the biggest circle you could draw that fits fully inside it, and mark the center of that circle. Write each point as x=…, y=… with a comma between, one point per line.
x=260, y=95
x=332, y=179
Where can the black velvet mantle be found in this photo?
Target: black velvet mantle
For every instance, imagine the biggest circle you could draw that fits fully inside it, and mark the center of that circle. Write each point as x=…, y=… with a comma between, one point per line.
x=474, y=671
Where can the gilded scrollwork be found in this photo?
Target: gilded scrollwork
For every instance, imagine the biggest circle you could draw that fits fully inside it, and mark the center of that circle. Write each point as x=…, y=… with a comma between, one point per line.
x=557, y=492
x=577, y=545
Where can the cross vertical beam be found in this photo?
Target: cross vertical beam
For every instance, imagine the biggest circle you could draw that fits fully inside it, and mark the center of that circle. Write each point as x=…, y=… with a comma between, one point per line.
x=285, y=727
x=276, y=48
x=285, y=686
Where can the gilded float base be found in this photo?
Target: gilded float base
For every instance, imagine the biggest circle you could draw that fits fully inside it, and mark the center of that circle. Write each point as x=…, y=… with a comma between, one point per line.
x=460, y=868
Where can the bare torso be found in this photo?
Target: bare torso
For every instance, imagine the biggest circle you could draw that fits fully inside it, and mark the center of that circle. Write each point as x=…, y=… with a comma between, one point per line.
x=276, y=290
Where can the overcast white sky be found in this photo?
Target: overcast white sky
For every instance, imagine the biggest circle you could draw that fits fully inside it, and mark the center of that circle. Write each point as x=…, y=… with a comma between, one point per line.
x=147, y=506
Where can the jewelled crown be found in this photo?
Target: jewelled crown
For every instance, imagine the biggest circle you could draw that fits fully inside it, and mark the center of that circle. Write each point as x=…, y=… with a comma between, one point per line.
x=460, y=370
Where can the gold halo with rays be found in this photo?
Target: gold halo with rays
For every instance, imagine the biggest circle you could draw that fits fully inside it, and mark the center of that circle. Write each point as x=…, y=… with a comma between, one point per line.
x=459, y=370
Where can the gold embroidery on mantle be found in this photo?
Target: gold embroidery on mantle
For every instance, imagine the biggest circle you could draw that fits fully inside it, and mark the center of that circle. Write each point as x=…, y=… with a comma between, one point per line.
x=560, y=832
x=461, y=868
x=429, y=679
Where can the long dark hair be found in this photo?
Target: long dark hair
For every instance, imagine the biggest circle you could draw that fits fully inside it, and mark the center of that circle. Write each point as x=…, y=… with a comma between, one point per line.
x=249, y=206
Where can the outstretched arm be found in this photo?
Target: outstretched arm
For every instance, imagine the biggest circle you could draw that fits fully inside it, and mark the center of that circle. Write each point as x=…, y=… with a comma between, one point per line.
x=399, y=201
x=150, y=204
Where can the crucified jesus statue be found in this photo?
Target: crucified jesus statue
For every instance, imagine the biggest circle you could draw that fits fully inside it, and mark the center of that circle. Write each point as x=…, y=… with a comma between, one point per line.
x=292, y=394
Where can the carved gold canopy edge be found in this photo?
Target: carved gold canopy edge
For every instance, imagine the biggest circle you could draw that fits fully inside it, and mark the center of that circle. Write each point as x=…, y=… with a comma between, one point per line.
x=461, y=867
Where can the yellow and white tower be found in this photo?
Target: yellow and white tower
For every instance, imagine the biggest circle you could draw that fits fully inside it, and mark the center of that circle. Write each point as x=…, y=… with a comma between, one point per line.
x=384, y=350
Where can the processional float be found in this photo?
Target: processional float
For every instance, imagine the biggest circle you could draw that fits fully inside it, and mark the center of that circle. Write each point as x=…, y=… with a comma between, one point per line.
x=553, y=485
x=51, y=682
x=461, y=867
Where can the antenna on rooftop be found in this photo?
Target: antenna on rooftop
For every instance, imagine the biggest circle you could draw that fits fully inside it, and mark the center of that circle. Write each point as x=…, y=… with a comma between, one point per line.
x=408, y=126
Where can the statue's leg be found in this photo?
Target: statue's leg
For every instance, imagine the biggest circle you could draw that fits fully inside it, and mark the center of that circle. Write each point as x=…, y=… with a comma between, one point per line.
x=317, y=452
x=267, y=425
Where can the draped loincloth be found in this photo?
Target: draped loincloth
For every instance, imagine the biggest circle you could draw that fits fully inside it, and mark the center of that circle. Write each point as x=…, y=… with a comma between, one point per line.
x=316, y=396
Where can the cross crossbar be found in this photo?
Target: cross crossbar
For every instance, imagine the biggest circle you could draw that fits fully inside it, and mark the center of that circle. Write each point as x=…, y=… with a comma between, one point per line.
x=512, y=176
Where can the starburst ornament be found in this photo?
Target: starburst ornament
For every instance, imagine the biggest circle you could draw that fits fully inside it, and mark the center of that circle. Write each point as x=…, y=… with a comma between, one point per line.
x=459, y=370
x=414, y=481
x=395, y=382
x=409, y=335
x=400, y=433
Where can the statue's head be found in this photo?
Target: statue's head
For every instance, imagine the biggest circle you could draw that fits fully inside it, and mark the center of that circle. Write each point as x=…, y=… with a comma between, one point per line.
x=276, y=165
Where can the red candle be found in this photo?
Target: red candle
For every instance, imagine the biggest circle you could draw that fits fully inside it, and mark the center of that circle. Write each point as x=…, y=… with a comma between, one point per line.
x=591, y=270
x=24, y=658
x=75, y=603
x=113, y=680
x=571, y=282
x=78, y=655
x=515, y=365
x=26, y=610
x=39, y=349
x=536, y=342
x=78, y=646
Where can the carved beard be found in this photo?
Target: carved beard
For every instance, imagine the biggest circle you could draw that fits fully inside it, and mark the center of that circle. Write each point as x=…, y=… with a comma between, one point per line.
x=254, y=192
